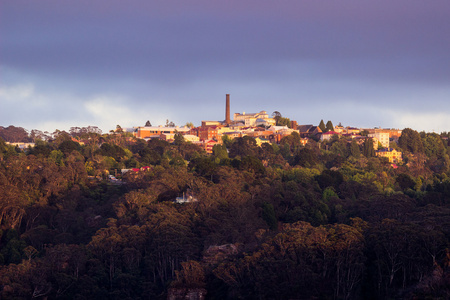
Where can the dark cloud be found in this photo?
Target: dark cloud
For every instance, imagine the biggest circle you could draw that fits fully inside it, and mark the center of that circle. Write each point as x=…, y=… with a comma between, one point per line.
x=260, y=51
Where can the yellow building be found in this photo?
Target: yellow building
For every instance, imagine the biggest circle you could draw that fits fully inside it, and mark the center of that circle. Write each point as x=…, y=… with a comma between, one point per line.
x=143, y=132
x=393, y=155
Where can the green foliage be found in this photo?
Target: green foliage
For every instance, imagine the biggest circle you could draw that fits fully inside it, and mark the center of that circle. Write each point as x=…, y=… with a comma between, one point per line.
x=405, y=182
x=411, y=141
x=57, y=156
x=322, y=126
x=433, y=146
x=305, y=157
x=368, y=148
x=328, y=193
x=329, y=126
x=283, y=122
x=243, y=146
x=355, y=151
x=220, y=151
x=178, y=139
x=330, y=178
x=268, y=222
x=339, y=147
x=292, y=140
x=268, y=214
x=68, y=146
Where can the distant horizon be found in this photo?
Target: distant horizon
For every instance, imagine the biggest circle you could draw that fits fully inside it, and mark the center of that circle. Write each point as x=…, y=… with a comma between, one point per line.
x=182, y=125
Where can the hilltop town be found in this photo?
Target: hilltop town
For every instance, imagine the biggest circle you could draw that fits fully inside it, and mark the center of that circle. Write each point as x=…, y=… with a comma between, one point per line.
x=272, y=129
x=254, y=206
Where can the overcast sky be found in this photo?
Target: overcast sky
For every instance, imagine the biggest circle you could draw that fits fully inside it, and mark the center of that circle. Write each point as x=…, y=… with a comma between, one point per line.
x=383, y=63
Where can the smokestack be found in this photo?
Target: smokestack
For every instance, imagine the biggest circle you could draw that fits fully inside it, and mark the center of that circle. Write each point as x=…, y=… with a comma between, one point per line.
x=227, y=111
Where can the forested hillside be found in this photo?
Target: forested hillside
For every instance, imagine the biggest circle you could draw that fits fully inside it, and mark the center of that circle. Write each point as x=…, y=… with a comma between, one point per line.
x=321, y=221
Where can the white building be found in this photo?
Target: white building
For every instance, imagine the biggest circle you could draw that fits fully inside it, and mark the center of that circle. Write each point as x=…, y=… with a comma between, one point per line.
x=261, y=118
x=382, y=137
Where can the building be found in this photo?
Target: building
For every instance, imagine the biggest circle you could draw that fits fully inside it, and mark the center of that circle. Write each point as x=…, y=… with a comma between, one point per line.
x=23, y=146
x=254, y=119
x=187, y=197
x=144, y=132
x=391, y=154
x=233, y=134
x=328, y=135
x=393, y=133
x=339, y=128
x=308, y=130
x=381, y=137
x=208, y=133
x=207, y=145
x=352, y=130
x=191, y=138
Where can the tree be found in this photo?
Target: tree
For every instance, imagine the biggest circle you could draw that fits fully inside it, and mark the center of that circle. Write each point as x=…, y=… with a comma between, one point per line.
x=305, y=157
x=38, y=135
x=268, y=214
x=293, y=140
x=368, y=150
x=405, y=182
x=69, y=146
x=169, y=123
x=433, y=146
x=411, y=141
x=220, y=152
x=354, y=149
x=178, y=139
x=243, y=146
x=322, y=126
x=284, y=122
x=276, y=115
x=189, y=124
x=329, y=126
x=14, y=134
x=148, y=124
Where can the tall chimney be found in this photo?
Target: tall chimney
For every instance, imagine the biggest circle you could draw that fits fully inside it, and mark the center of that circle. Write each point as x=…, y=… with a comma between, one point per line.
x=227, y=111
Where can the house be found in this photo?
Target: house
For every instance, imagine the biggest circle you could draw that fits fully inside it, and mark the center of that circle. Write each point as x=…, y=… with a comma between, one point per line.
x=339, y=128
x=264, y=134
x=208, y=133
x=391, y=154
x=187, y=197
x=328, y=135
x=281, y=129
x=143, y=132
x=191, y=138
x=308, y=130
x=207, y=145
x=233, y=134
x=22, y=146
x=352, y=130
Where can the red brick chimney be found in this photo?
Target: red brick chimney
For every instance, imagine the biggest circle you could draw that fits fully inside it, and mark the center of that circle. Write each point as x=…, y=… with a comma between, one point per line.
x=227, y=111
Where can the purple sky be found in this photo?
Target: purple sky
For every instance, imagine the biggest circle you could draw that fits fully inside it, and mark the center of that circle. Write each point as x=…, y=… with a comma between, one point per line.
x=362, y=63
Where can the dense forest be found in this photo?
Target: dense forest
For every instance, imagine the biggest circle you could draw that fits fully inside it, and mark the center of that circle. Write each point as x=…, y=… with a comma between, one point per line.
x=322, y=221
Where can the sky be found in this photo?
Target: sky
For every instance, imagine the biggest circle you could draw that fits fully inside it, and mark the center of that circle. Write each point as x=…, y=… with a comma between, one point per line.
x=383, y=63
